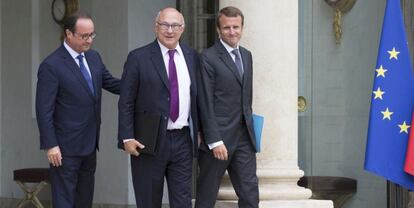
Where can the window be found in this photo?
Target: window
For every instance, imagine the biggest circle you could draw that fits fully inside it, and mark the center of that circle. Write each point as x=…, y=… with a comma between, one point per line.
x=200, y=30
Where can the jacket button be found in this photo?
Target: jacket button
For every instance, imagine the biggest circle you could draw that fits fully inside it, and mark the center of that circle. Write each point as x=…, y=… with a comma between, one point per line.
x=165, y=118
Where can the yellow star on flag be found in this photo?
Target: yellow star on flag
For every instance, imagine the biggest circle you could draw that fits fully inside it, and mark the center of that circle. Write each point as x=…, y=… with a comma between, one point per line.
x=404, y=127
x=381, y=71
x=393, y=53
x=387, y=114
x=378, y=93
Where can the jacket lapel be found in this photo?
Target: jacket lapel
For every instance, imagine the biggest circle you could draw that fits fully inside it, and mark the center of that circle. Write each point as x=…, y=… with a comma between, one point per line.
x=158, y=62
x=246, y=66
x=188, y=56
x=74, y=68
x=226, y=58
x=92, y=68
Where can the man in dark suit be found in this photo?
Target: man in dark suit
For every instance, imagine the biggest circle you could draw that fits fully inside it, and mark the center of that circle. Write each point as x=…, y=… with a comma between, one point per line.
x=160, y=79
x=225, y=99
x=68, y=109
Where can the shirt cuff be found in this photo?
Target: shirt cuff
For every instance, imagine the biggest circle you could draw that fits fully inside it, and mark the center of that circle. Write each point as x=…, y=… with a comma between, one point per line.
x=127, y=140
x=215, y=144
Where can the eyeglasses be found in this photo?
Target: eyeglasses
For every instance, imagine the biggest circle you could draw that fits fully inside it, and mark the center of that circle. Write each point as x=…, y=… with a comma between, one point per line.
x=86, y=36
x=166, y=26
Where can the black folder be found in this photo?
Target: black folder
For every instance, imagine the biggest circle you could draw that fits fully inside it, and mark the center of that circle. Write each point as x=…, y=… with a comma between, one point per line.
x=146, y=131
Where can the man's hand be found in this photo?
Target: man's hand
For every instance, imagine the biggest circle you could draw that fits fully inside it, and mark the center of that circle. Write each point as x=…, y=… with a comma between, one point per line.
x=220, y=152
x=131, y=147
x=54, y=156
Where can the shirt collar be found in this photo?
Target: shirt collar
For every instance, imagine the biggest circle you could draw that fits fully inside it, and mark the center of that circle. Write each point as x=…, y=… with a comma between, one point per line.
x=72, y=52
x=228, y=47
x=164, y=50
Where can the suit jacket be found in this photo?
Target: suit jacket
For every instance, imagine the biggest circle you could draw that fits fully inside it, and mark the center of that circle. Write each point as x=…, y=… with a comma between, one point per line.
x=225, y=99
x=68, y=114
x=145, y=88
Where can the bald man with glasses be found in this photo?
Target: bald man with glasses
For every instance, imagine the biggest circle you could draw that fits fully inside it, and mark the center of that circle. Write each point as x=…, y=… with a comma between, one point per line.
x=160, y=79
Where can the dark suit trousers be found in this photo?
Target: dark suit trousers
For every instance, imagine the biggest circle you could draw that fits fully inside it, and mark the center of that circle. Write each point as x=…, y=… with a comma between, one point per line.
x=73, y=182
x=173, y=160
x=241, y=166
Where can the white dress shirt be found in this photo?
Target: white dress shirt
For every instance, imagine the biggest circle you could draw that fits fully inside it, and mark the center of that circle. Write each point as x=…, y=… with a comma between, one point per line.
x=230, y=49
x=184, y=83
x=75, y=54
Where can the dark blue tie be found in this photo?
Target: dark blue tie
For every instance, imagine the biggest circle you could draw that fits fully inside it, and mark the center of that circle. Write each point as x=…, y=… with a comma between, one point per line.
x=238, y=62
x=85, y=73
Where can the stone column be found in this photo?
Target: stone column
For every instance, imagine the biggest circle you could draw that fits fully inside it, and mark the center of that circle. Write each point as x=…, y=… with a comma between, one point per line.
x=271, y=34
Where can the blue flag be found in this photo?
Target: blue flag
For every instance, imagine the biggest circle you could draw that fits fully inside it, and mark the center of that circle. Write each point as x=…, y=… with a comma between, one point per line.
x=392, y=102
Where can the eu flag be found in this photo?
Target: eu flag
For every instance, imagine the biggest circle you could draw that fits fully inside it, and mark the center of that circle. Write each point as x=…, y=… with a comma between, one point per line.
x=392, y=102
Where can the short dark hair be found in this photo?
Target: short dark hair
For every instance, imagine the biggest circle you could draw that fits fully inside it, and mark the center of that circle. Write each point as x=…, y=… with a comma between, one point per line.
x=229, y=11
x=70, y=22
